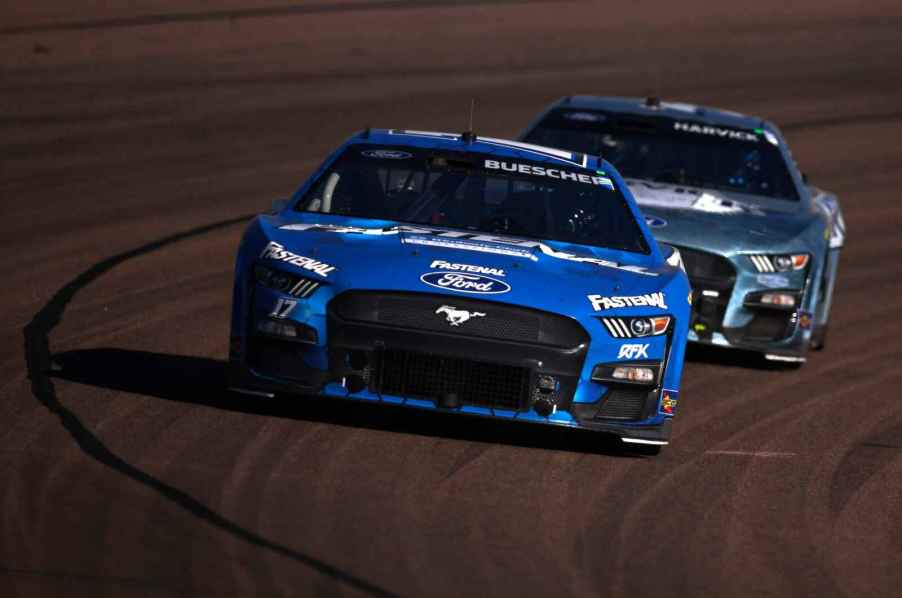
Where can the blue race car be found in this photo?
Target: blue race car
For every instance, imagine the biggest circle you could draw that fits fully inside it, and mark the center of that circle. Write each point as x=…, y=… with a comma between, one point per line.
x=465, y=274
x=760, y=244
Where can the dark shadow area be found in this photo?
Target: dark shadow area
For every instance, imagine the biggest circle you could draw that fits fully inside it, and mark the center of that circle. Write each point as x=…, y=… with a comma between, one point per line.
x=39, y=358
x=202, y=381
x=738, y=358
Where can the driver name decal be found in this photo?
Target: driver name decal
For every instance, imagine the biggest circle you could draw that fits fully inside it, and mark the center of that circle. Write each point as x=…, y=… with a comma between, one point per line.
x=714, y=131
x=553, y=173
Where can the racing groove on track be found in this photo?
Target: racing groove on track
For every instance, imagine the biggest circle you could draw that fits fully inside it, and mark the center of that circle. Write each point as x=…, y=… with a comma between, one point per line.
x=126, y=469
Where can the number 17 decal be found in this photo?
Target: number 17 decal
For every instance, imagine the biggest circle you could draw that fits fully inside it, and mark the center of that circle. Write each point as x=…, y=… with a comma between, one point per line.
x=283, y=308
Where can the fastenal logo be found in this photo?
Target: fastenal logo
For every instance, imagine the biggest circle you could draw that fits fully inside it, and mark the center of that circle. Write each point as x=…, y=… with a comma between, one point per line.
x=465, y=283
x=456, y=317
x=275, y=251
x=443, y=265
x=600, y=303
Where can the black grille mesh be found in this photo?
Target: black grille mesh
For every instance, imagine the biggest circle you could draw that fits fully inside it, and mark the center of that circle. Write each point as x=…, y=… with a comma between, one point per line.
x=623, y=404
x=709, y=266
x=427, y=376
x=708, y=272
x=769, y=325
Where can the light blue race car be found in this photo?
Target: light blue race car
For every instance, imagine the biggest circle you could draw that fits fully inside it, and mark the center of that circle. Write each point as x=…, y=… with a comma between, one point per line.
x=761, y=246
x=468, y=275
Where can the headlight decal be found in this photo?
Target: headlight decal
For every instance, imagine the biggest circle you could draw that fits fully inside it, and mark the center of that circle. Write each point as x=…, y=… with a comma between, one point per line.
x=780, y=263
x=636, y=327
x=285, y=282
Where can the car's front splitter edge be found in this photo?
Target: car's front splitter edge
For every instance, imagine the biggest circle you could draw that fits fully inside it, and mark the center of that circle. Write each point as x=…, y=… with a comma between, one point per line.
x=244, y=380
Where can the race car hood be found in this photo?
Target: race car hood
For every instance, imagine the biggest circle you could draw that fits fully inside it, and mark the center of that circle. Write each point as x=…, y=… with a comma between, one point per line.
x=383, y=255
x=717, y=220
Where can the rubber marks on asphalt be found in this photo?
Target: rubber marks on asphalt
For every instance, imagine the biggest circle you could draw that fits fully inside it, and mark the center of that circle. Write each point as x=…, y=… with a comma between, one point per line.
x=765, y=454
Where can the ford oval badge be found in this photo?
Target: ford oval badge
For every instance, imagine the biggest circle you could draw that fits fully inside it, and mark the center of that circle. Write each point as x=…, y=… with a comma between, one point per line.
x=465, y=283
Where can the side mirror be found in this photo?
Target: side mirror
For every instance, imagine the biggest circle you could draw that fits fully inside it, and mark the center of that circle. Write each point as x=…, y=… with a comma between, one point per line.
x=804, y=178
x=279, y=204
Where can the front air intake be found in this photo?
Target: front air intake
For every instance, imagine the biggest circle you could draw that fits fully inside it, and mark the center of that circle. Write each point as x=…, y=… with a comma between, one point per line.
x=451, y=380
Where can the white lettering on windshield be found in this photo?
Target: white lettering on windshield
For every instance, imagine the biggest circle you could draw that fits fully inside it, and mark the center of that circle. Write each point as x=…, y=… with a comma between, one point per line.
x=553, y=173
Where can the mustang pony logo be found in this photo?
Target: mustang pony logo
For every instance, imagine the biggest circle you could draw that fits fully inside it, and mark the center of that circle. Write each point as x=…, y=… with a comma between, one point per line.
x=455, y=316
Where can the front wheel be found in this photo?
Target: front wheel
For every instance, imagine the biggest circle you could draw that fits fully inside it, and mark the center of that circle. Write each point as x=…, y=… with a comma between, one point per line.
x=819, y=338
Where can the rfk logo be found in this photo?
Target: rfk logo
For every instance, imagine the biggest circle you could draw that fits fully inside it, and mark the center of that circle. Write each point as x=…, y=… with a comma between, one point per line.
x=455, y=316
x=633, y=352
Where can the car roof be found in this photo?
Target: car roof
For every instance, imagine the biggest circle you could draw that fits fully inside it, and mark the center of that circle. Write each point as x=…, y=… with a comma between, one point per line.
x=478, y=144
x=654, y=107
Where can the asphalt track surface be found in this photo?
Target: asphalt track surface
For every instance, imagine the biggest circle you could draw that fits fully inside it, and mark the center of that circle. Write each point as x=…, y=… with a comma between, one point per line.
x=135, y=141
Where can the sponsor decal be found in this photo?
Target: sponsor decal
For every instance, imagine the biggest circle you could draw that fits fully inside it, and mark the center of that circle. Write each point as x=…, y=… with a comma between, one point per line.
x=806, y=320
x=275, y=251
x=669, y=401
x=713, y=204
x=553, y=173
x=585, y=116
x=715, y=131
x=456, y=317
x=386, y=154
x=653, y=195
x=470, y=242
x=773, y=281
x=633, y=351
x=655, y=222
x=465, y=283
x=600, y=303
x=470, y=246
x=443, y=265
x=283, y=308
x=836, y=230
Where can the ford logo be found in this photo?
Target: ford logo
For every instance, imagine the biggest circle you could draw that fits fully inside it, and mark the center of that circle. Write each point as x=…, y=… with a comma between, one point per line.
x=655, y=222
x=386, y=154
x=465, y=283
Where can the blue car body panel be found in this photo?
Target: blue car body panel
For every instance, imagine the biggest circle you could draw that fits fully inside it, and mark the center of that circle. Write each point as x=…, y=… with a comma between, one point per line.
x=341, y=254
x=736, y=226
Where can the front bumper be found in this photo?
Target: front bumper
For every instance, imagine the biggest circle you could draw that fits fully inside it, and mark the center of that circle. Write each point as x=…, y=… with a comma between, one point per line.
x=242, y=379
x=721, y=316
x=372, y=355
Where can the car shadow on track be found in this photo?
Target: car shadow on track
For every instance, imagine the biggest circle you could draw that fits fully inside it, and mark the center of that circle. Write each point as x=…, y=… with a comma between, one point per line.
x=739, y=358
x=202, y=381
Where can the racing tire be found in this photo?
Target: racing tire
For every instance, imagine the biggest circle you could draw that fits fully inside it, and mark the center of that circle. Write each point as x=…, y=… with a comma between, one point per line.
x=819, y=338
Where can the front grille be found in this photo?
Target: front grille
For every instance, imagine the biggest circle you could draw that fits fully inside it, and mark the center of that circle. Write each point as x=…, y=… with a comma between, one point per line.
x=487, y=319
x=626, y=404
x=712, y=278
x=770, y=325
x=702, y=265
x=464, y=381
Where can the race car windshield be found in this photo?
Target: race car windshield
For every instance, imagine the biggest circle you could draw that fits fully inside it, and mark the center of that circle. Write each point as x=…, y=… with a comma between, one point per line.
x=475, y=192
x=671, y=151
